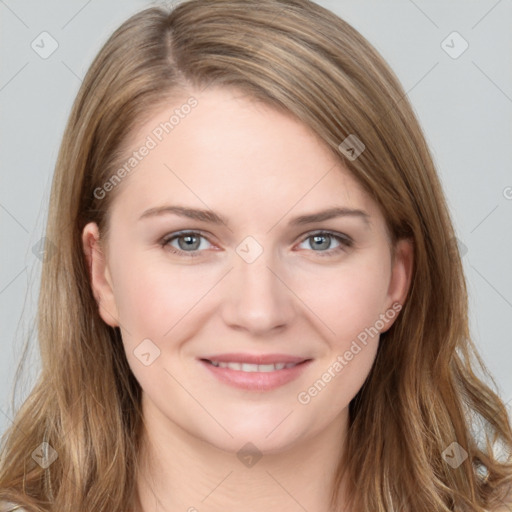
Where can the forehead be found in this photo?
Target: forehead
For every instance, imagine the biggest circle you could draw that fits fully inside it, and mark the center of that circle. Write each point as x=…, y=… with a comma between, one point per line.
x=225, y=151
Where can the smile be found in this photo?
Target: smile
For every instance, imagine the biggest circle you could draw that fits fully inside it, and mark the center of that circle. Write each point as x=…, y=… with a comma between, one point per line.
x=247, y=367
x=255, y=377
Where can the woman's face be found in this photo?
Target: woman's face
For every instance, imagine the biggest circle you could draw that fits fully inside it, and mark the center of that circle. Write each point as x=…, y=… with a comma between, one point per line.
x=266, y=280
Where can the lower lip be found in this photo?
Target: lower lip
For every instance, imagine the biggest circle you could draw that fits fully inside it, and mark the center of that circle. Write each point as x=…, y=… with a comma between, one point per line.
x=256, y=381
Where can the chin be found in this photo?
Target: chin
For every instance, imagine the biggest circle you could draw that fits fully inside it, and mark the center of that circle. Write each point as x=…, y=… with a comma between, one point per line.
x=268, y=435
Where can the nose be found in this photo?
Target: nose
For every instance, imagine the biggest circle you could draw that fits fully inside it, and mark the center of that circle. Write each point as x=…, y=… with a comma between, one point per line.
x=258, y=298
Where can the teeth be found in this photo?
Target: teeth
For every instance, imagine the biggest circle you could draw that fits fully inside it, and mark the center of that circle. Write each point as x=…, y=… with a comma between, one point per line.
x=246, y=367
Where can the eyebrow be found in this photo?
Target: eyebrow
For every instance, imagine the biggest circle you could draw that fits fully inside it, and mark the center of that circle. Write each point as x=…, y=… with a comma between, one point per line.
x=214, y=218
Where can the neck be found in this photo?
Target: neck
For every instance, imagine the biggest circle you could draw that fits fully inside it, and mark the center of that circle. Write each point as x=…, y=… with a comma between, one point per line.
x=178, y=471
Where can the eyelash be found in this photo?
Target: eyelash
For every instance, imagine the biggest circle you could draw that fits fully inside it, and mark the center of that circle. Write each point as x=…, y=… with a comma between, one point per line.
x=344, y=240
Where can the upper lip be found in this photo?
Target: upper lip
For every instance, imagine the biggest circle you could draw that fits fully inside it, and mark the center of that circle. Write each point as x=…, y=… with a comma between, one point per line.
x=255, y=358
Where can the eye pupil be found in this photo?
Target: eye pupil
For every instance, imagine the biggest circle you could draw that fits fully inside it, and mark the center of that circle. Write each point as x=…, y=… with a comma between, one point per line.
x=189, y=241
x=188, y=244
x=318, y=238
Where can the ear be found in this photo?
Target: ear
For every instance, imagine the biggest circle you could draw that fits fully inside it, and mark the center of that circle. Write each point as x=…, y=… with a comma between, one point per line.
x=401, y=274
x=99, y=274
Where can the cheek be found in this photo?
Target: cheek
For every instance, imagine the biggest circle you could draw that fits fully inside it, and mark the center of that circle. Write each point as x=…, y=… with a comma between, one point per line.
x=152, y=295
x=350, y=304
x=154, y=303
x=349, y=300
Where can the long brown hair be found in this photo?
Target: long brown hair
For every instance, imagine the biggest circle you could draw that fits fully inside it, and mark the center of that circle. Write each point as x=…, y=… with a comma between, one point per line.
x=423, y=392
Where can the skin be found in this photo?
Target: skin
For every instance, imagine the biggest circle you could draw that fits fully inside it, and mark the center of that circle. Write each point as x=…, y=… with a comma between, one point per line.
x=258, y=168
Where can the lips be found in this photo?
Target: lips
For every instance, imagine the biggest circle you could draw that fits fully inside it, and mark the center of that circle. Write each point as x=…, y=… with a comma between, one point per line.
x=255, y=372
x=249, y=367
x=259, y=359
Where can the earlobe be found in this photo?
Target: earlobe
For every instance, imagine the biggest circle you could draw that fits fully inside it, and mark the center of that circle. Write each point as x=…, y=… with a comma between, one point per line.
x=403, y=266
x=99, y=274
x=401, y=274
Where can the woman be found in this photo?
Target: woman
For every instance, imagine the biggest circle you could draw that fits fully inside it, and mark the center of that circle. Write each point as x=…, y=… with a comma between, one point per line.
x=312, y=351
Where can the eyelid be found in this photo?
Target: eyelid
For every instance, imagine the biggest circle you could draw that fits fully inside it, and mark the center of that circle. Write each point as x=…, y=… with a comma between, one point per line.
x=166, y=239
x=343, y=239
x=183, y=232
x=335, y=234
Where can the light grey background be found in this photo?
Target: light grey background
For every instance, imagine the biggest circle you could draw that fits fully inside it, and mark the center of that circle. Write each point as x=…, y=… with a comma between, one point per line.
x=464, y=105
